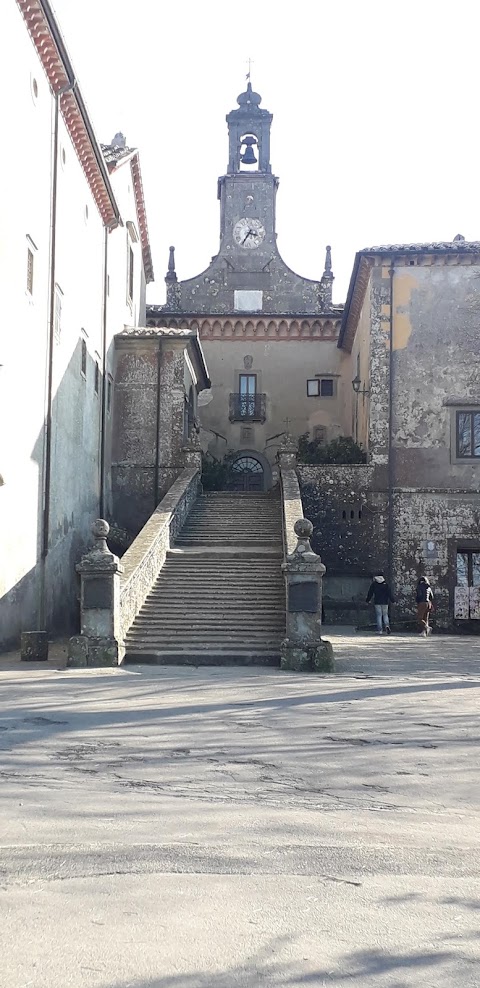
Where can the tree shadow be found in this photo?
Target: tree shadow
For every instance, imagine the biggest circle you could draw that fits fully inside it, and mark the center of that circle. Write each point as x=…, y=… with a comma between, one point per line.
x=366, y=966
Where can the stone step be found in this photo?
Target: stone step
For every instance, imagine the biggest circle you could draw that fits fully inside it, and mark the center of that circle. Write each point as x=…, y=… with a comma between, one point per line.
x=221, y=603
x=192, y=657
x=200, y=637
x=215, y=540
x=198, y=620
x=237, y=524
x=206, y=595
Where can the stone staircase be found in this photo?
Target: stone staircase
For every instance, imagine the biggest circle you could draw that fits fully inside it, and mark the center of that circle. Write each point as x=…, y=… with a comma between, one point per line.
x=220, y=596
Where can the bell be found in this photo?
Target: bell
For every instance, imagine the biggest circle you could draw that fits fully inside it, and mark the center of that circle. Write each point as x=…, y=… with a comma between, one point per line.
x=249, y=157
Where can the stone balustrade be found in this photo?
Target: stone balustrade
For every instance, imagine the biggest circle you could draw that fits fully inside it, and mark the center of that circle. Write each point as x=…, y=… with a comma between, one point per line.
x=112, y=593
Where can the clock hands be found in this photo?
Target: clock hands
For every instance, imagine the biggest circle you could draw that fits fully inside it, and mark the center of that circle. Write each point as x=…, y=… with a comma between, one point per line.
x=250, y=233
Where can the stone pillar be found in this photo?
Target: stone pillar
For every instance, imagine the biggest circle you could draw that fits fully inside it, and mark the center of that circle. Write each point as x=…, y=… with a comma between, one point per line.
x=99, y=642
x=304, y=650
x=287, y=453
x=192, y=453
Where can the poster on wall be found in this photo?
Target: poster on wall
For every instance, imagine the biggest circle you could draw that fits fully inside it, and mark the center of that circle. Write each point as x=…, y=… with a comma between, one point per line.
x=462, y=608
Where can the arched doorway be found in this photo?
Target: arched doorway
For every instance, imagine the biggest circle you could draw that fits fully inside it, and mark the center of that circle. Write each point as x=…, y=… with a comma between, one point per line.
x=247, y=474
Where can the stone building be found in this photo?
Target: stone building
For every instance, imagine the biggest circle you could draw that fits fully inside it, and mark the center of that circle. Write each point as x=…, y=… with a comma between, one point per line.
x=396, y=369
x=269, y=335
x=120, y=398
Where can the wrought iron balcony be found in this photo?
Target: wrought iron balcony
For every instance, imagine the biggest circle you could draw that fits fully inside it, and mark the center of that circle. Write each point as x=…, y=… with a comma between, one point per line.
x=247, y=408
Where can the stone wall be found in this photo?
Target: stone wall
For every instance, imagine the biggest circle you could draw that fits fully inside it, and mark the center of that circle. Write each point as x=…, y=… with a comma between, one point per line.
x=446, y=519
x=350, y=523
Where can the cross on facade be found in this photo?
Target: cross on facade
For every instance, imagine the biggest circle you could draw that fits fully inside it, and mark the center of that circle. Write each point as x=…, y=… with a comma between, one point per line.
x=249, y=63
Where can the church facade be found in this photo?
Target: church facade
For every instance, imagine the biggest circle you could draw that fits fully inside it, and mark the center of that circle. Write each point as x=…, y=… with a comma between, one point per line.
x=269, y=336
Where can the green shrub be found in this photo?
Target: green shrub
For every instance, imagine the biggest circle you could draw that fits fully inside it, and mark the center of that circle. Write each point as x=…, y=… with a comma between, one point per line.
x=215, y=472
x=341, y=450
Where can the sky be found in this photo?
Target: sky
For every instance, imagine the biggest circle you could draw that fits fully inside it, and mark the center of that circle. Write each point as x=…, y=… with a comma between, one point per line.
x=375, y=105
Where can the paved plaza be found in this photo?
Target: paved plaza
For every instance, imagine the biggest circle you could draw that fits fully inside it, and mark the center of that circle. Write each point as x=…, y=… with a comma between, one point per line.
x=185, y=828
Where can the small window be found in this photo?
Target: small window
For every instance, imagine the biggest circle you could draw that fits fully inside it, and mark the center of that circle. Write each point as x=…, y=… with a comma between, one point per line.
x=30, y=271
x=57, y=320
x=97, y=378
x=321, y=387
x=86, y=214
x=108, y=284
x=34, y=88
x=130, y=274
x=83, y=366
x=468, y=435
x=326, y=387
x=109, y=394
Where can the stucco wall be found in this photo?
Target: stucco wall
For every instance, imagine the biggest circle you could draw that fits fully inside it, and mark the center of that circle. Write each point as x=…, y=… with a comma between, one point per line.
x=359, y=364
x=282, y=370
x=25, y=211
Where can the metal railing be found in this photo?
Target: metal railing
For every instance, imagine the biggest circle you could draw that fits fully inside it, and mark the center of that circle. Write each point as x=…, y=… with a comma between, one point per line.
x=248, y=408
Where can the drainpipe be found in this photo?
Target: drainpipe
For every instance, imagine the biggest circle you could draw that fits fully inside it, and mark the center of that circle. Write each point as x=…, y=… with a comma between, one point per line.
x=103, y=419
x=391, y=465
x=156, y=487
x=47, y=473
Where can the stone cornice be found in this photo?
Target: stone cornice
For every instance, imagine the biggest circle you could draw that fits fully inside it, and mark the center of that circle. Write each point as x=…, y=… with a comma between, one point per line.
x=249, y=327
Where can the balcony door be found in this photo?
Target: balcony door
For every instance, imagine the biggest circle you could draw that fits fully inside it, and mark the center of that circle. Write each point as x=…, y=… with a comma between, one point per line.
x=247, y=386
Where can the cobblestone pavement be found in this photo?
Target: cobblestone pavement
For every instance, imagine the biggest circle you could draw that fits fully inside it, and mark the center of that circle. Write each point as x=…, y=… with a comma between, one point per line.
x=178, y=828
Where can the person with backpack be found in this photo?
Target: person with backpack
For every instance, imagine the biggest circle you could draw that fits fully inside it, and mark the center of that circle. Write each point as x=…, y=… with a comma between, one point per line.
x=382, y=597
x=424, y=598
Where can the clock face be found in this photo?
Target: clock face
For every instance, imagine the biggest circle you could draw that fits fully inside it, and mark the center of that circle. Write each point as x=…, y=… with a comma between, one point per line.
x=248, y=233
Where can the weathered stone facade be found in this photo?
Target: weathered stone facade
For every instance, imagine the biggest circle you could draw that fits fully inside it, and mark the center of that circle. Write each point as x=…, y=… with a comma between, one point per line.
x=416, y=309
x=157, y=379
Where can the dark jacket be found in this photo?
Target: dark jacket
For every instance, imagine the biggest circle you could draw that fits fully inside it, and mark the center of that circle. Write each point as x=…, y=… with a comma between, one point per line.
x=380, y=592
x=424, y=593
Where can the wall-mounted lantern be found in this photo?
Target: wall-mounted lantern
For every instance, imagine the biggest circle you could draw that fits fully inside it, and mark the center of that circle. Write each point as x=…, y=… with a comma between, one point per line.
x=356, y=385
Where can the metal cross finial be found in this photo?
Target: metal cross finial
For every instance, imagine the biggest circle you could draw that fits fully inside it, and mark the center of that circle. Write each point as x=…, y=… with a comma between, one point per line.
x=249, y=63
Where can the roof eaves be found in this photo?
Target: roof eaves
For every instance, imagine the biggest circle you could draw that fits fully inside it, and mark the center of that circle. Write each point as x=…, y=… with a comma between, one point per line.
x=50, y=46
x=142, y=217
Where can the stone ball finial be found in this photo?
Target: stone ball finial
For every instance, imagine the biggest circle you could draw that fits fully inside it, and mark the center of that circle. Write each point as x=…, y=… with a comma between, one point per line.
x=100, y=528
x=303, y=528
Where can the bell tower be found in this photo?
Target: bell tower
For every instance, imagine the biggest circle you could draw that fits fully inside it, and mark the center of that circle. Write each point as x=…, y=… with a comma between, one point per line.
x=249, y=134
x=248, y=274
x=247, y=191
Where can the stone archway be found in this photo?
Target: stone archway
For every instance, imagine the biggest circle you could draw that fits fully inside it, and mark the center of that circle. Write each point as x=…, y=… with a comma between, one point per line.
x=250, y=471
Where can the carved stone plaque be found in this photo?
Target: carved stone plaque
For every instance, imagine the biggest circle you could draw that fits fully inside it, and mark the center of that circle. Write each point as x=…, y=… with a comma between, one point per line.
x=97, y=593
x=303, y=597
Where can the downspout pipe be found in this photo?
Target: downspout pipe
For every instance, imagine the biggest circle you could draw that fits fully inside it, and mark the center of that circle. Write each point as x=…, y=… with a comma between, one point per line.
x=47, y=471
x=156, y=486
x=391, y=464
x=103, y=413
